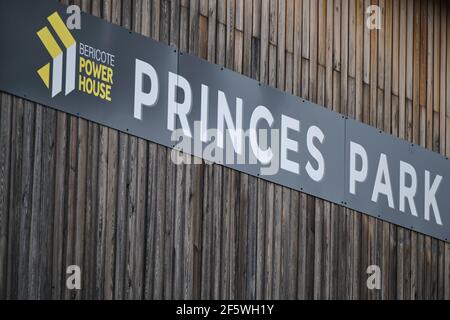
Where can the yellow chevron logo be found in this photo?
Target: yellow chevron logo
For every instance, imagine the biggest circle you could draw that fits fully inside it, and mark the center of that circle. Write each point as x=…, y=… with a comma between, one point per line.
x=57, y=55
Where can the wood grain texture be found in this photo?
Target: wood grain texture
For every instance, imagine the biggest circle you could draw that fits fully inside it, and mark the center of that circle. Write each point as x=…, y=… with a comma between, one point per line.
x=140, y=227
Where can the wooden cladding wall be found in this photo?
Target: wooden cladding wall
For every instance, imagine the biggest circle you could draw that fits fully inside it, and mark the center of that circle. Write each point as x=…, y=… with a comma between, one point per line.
x=74, y=192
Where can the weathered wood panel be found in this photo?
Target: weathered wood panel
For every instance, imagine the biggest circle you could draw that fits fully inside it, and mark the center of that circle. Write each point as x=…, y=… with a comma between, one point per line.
x=74, y=192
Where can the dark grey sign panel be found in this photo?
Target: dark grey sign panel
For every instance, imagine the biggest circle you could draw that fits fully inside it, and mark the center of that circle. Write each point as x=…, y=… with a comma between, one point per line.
x=23, y=54
x=281, y=106
x=397, y=181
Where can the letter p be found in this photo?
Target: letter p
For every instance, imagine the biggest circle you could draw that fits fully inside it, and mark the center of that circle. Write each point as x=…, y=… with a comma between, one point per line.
x=141, y=98
x=355, y=174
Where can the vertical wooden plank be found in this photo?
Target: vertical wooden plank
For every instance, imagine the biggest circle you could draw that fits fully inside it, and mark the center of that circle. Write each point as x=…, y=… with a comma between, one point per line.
x=155, y=21
x=239, y=15
x=164, y=20
x=9, y=219
x=382, y=230
x=337, y=36
x=402, y=135
x=318, y=235
x=328, y=240
x=318, y=90
x=260, y=248
x=277, y=242
x=135, y=194
x=5, y=139
x=260, y=28
x=221, y=33
x=434, y=269
x=151, y=222
x=447, y=246
x=71, y=171
x=372, y=250
x=436, y=56
x=238, y=49
x=196, y=207
x=359, y=45
x=380, y=70
x=174, y=23
x=442, y=80
x=91, y=212
x=364, y=257
x=169, y=207
x=46, y=222
x=282, y=196
x=298, y=9
x=395, y=46
x=373, y=77
x=313, y=49
x=229, y=44
x=80, y=194
x=207, y=276
x=160, y=215
x=247, y=39
x=178, y=291
x=384, y=122
x=309, y=255
x=269, y=206
x=306, y=29
x=302, y=263
x=441, y=271
x=381, y=49
x=207, y=240
x=367, y=42
x=423, y=58
x=34, y=195
x=281, y=44
x=15, y=198
x=289, y=34
x=329, y=55
x=241, y=221
x=429, y=77
x=284, y=235
x=409, y=48
x=101, y=211
x=264, y=67
x=414, y=27
x=217, y=229
x=293, y=246
x=121, y=217
x=347, y=99
x=334, y=251
x=427, y=268
x=351, y=59
x=256, y=18
x=225, y=240
x=146, y=18
x=411, y=70
x=212, y=30
x=250, y=232
x=111, y=201
x=388, y=66
x=422, y=74
x=106, y=199
x=298, y=261
x=435, y=76
x=169, y=222
x=415, y=72
x=35, y=214
x=327, y=247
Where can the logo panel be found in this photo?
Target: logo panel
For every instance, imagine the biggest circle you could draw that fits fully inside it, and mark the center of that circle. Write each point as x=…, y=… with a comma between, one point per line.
x=55, y=68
